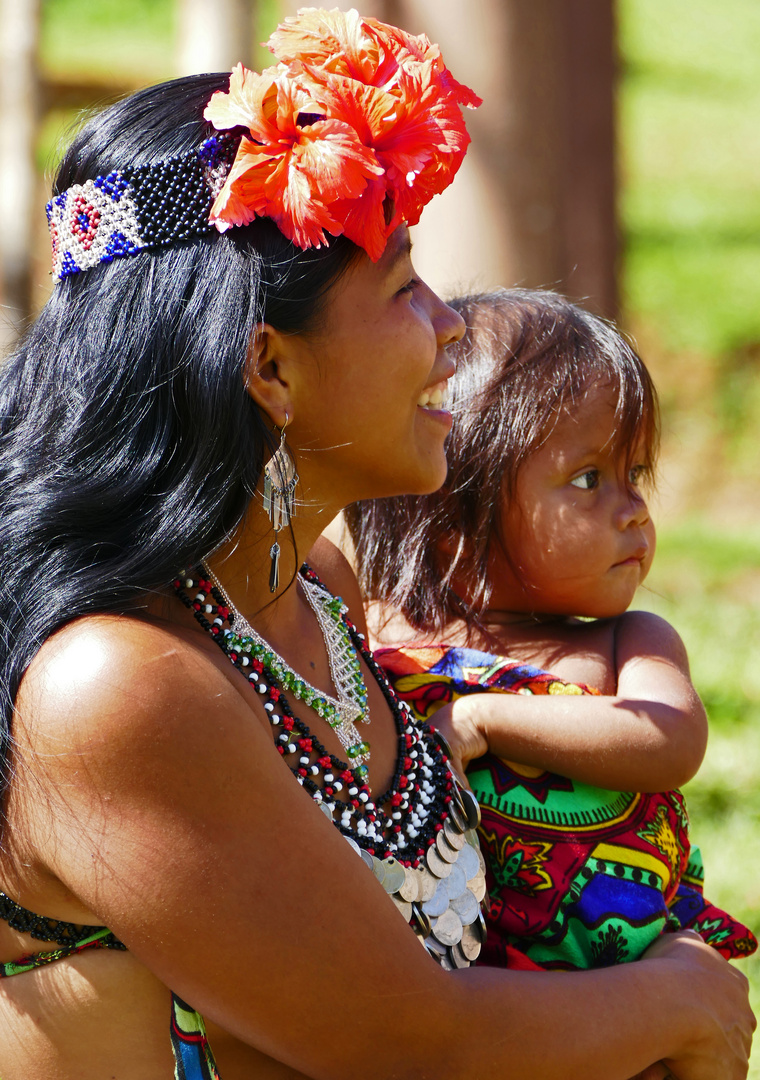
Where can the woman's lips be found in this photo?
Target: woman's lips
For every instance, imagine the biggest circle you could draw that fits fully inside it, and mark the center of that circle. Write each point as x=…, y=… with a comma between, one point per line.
x=433, y=397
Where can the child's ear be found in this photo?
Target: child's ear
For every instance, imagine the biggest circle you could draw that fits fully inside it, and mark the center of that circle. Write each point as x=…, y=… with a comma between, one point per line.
x=266, y=374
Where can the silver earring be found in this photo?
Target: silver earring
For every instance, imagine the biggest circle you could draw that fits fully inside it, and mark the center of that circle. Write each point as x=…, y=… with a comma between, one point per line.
x=280, y=479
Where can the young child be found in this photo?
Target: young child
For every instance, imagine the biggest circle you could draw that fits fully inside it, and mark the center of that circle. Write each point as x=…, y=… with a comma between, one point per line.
x=524, y=567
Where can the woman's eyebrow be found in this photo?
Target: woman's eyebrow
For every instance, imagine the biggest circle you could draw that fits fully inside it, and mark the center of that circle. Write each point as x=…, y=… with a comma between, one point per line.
x=402, y=249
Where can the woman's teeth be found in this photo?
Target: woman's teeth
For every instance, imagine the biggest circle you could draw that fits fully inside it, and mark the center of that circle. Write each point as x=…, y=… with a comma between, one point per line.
x=433, y=397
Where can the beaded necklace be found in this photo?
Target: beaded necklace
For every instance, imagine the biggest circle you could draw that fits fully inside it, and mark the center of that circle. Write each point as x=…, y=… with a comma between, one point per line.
x=351, y=704
x=418, y=837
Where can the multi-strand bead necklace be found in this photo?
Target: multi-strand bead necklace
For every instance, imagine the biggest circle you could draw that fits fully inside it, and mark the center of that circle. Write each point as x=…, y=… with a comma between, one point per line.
x=405, y=820
x=417, y=838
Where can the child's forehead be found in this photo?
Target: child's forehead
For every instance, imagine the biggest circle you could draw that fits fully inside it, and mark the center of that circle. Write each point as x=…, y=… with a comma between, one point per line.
x=590, y=420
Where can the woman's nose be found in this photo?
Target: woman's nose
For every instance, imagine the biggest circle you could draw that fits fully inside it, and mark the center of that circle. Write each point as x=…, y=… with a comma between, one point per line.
x=449, y=324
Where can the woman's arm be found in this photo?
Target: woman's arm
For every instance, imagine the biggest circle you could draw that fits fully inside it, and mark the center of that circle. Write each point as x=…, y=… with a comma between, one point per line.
x=651, y=736
x=169, y=814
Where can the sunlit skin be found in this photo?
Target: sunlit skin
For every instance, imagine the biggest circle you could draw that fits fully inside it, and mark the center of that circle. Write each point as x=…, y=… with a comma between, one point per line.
x=578, y=531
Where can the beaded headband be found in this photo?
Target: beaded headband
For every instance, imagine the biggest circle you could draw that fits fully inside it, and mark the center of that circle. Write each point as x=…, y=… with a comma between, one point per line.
x=132, y=209
x=351, y=133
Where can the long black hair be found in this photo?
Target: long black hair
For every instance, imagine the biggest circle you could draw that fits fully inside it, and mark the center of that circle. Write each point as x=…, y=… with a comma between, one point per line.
x=129, y=447
x=526, y=355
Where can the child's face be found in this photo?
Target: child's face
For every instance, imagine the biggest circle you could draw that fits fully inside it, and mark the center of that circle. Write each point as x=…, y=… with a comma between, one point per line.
x=578, y=531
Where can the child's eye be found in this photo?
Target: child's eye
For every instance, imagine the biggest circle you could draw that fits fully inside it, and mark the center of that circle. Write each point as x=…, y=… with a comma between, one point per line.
x=587, y=480
x=637, y=474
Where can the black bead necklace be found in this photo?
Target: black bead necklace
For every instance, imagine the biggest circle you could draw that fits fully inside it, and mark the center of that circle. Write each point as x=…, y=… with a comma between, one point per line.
x=402, y=822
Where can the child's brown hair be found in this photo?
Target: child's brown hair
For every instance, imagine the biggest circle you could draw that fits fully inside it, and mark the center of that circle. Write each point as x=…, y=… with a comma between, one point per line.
x=526, y=355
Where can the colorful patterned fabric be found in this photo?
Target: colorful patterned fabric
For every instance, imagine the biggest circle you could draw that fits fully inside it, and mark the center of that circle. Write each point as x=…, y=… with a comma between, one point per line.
x=578, y=877
x=192, y=1054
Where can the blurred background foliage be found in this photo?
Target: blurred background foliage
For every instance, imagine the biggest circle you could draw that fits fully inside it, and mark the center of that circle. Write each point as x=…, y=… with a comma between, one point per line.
x=689, y=144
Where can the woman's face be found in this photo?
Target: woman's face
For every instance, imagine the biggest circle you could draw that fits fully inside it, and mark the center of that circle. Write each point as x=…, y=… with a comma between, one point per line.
x=368, y=417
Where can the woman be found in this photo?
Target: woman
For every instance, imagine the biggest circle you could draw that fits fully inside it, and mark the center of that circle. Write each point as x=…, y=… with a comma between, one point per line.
x=151, y=427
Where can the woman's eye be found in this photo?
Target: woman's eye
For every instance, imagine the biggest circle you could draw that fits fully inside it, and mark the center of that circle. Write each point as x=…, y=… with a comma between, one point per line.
x=410, y=286
x=587, y=480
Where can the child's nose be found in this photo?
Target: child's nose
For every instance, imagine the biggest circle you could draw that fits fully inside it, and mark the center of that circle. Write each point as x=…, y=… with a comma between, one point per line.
x=633, y=509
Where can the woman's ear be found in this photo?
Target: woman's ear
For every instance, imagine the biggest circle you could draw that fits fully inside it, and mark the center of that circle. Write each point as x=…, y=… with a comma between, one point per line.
x=266, y=376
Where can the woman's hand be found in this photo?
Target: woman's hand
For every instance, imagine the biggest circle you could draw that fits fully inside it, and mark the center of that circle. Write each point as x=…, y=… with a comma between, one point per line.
x=715, y=994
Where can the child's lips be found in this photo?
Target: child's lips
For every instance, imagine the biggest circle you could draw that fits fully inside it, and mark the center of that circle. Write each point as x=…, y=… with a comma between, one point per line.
x=633, y=560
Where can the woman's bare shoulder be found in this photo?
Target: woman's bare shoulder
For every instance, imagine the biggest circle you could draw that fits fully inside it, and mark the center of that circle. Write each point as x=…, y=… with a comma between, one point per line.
x=105, y=679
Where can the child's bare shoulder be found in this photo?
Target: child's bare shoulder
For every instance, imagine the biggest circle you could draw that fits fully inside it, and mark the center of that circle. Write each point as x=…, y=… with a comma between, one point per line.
x=641, y=634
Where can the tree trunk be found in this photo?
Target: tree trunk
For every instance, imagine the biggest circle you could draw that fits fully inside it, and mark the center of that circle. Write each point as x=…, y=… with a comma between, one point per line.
x=19, y=31
x=214, y=34
x=534, y=202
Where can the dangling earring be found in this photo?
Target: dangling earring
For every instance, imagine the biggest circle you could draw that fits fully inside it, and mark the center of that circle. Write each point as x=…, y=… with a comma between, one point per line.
x=280, y=479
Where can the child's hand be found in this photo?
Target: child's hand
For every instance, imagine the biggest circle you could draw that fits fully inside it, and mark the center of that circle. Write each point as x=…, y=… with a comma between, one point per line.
x=457, y=723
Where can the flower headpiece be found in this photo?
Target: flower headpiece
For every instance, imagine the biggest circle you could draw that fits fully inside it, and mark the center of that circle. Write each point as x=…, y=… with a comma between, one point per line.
x=352, y=132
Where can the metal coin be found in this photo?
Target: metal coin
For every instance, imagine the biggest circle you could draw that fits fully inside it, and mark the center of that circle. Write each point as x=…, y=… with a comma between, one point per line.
x=428, y=883
x=394, y=875
x=470, y=943
x=378, y=869
x=480, y=928
x=477, y=887
x=458, y=956
x=326, y=811
x=454, y=836
x=353, y=845
x=457, y=802
x=469, y=862
x=456, y=815
x=421, y=920
x=447, y=928
x=403, y=906
x=445, y=850
x=481, y=859
x=466, y=907
x=438, y=902
x=446, y=962
x=456, y=882
x=367, y=859
x=472, y=839
x=410, y=890
x=435, y=948
x=439, y=866
x=472, y=809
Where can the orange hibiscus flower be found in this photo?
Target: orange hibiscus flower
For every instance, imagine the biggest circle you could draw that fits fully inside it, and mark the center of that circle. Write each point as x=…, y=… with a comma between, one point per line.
x=353, y=132
x=287, y=171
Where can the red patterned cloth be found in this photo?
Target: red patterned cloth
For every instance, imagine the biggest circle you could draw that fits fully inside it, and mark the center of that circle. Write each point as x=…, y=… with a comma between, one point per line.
x=578, y=876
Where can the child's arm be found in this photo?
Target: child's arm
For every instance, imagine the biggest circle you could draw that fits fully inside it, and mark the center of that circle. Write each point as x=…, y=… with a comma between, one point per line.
x=650, y=737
